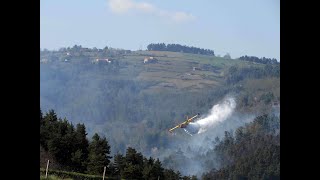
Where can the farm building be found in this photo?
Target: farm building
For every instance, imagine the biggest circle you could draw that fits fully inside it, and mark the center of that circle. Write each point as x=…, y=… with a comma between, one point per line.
x=196, y=68
x=150, y=60
x=102, y=60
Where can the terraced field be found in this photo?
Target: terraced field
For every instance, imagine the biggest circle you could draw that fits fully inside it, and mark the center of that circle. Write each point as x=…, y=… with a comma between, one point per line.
x=176, y=71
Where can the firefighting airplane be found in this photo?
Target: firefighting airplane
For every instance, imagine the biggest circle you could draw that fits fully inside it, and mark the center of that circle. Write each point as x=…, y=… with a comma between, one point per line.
x=184, y=124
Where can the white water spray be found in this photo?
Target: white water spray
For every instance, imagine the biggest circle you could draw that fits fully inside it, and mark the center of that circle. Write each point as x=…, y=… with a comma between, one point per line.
x=219, y=113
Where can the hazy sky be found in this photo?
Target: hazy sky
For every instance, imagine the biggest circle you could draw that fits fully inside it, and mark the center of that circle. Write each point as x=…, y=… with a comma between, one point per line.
x=246, y=27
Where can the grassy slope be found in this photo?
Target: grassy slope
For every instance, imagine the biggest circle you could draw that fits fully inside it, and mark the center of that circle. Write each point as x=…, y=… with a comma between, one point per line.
x=174, y=70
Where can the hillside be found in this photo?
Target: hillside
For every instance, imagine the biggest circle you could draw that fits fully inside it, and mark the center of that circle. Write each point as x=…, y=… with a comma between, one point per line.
x=173, y=71
x=252, y=152
x=134, y=103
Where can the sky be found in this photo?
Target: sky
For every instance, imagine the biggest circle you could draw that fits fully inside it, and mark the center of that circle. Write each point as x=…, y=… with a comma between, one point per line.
x=246, y=27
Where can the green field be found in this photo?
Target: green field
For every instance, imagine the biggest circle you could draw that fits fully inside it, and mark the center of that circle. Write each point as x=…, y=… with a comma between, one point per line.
x=55, y=175
x=174, y=70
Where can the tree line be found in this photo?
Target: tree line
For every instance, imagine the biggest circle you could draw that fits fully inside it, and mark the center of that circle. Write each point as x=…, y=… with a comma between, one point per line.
x=262, y=60
x=179, y=48
x=236, y=74
x=69, y=149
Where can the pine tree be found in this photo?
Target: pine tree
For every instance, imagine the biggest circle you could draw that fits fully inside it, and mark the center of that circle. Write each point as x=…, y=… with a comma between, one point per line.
x=157, y=170
x=170, y=174
x=41, y=116
x=51, y=116
x=134, y=164
x=119, y=163
x=99, y=150
x=147, y=168
x=43, y=132
x=61, y=142
x=79, y=157
x=132, y=171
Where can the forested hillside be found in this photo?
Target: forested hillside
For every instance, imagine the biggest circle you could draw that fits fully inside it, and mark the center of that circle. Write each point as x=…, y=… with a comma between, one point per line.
x=133, y=102
x=262, y=60
x=68, y=149
x=251, y=152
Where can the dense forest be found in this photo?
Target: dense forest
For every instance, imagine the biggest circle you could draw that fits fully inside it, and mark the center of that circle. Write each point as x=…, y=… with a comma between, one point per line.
x=262, y=60
x=251, y=151
x=179, y=48
x=68, y=148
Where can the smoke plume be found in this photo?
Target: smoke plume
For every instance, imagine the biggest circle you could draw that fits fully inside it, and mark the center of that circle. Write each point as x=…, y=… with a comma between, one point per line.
x=196, y=155
x=219, y=113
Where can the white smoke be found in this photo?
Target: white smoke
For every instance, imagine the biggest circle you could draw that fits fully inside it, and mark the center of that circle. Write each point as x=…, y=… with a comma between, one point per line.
x=221, y=117
x=219, y=113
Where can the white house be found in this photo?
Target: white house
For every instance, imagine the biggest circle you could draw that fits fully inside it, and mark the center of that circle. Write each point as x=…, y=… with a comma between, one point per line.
x=195, y=68
x=150, y=60
x=102, y=60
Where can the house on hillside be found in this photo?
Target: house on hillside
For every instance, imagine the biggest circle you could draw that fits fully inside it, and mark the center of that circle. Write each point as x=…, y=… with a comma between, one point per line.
x=102, y=60
x=150, y=60
x=196, y=68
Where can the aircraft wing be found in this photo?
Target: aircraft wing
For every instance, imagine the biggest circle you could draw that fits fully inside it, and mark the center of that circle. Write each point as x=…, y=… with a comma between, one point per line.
x=189, y=120
x=174, y=128
x=185, y=122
